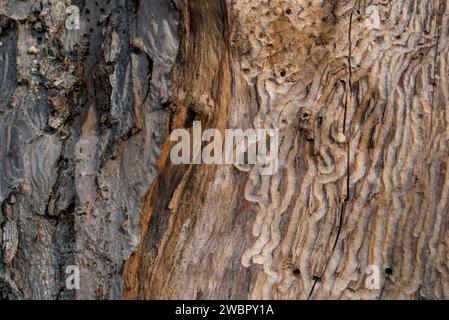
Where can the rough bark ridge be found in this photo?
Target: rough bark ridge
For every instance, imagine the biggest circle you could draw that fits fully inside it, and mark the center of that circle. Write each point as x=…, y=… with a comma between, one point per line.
x=357, y=88
x=81, y=119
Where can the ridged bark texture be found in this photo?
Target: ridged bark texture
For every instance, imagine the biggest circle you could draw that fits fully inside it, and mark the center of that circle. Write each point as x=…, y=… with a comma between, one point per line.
x=358, y=90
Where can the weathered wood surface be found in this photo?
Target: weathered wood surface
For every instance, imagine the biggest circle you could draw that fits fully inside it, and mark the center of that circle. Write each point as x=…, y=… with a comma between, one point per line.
x=357, y=88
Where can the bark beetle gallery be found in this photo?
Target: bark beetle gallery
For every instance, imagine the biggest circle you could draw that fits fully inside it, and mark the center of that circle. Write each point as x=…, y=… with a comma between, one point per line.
x=92, y=207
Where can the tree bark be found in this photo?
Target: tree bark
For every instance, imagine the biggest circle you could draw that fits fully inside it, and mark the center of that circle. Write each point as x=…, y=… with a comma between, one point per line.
x=358, y=90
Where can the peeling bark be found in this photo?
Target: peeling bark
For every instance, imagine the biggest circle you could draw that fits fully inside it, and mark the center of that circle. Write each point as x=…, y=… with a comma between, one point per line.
x=357, y=89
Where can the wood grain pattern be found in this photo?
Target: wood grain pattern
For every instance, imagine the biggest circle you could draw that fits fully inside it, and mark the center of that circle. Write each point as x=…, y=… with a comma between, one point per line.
x=358, y=90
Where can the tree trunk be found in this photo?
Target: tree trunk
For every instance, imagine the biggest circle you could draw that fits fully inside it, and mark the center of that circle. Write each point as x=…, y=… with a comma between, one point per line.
x=357, y=89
